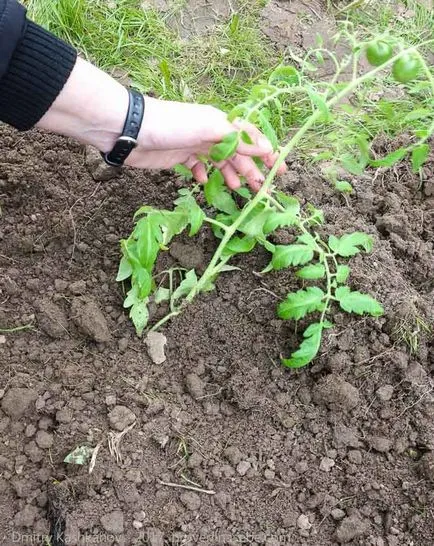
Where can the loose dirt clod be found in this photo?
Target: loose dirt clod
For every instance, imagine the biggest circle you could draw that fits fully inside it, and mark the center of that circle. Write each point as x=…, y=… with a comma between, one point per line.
x=113, y=522
x=17, y=400
x=351, y=528
x=52, y=320
x=336, y=393
x=121, y=417
x=88, y=317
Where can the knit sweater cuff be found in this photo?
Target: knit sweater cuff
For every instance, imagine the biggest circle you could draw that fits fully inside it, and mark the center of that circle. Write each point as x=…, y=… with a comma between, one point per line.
x=38, y=70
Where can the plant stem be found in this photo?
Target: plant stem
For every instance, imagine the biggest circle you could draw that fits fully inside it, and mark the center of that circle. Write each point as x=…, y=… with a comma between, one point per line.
x=165, y=319
x=16, y=329
x=216, y=223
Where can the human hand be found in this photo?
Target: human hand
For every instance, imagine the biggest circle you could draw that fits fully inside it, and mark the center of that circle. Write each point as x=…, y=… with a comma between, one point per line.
x=175, y=132
x=92, y=108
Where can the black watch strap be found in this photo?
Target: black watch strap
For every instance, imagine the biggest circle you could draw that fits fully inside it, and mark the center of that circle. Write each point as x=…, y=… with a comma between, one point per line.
x=126, y=143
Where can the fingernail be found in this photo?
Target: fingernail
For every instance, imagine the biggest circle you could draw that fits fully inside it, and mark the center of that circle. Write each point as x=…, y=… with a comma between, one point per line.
x=265, y=144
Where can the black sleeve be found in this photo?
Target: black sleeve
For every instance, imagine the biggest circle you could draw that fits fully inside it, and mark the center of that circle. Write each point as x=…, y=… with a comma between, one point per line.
x=34, y=67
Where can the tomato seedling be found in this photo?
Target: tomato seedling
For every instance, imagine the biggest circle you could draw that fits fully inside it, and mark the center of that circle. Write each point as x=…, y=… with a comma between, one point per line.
x=243, y=221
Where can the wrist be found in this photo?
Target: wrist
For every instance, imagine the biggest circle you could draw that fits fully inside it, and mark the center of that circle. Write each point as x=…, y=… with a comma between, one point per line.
x=91, y=108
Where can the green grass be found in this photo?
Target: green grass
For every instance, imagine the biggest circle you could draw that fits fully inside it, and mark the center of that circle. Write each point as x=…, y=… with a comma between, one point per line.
x=120, y=35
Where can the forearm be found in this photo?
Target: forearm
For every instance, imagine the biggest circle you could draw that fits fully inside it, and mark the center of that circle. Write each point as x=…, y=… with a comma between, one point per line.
x=91, y=107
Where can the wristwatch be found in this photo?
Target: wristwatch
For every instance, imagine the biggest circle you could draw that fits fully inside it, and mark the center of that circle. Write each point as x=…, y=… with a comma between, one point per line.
x=127, y=141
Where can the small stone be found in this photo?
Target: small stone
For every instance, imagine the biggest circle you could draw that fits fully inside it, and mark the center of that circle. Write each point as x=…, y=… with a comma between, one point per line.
x=64, y=415
x=34, y=453
x=60, y=285
x=17, y=400
x=243, y=467
x=194, y=385
x=350, y=528
x=137, y=524
x=110, y=400
x=78, y=288
x=123, y=344
x=326, y=464
x=113, y=522
x=155, y=343
x=89, y=319
x=2, y=340
x=190, y=500
x=44, y=439
x=27, y=516
x=301, y=467
x=121, y=417
x=97, y=167
x=385, y=393
x=344, y=436
x=269, y=474
x=337, y=514
x=380, y=444
x=30, y=430
x=233, y=455
x=155, y=536
x=355, y=456
x=303, y=522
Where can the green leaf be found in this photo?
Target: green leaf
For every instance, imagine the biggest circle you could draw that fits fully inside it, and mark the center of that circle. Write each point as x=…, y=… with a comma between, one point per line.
x=125, y=269
x=255, y=222
x=226, y=148
x=144, y=282
x=183, y=171
x=316, y=215
x=286, y=255
x=342, y=273
x=299, y=303
x=237, y=245
x=139, y=314
x=244, y=192
x=226, y=267
x=161, y=294
x=309, y=347
x=348, y=244
x=188, y=283
x=418, y=156
x=237, y=112
x=260, y=92
x=288, y=201
x=245, y=137
x=308, y=239
x=217, y=196
x=344, y=186
x=194, y=214
x=280, y=219
x=81, y=455
x=268, y=130
x=148, y=234
x=351, y=164
x=285, y=74
x=310, y=272
x=145, y=209
x=390, y=159
x=319, y=102
x=132, y=297
x=356, y=302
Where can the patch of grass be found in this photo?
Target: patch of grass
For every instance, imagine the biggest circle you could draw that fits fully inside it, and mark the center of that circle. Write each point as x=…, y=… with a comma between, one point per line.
x=411, y=330
x=121, y=35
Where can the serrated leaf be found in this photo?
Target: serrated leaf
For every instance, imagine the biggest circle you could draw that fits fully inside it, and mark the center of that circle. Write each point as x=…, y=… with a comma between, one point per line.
x=161, y=294
x=342, y=273
x=237, y=112
x=286, y=255
x=187, y=284
x=148, y=234
x=316, y=215
x=244, y=192
x=351, y=164
x=344, y=186
x=299, y=303
x=390, y=159
x=226, y=267
x=125, y=269
x=267, y=128
x=311, y=272
x=307, y=239
x=139, y=314
x=280, y=219
x=419, y=155
x=287, y=201
x=226, y=148
x=173, y=223
x=195, y=215
x=286, y=74
x=356, y=302
x=238, y=245
x=145, y=209
x=143, y=280
x=132, y=297
x=217, y=196
x=348, y=245
x=309, y=347
x=255, y=222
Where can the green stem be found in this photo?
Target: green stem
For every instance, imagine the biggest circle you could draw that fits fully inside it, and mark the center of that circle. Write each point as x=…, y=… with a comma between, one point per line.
x=16, y=329
x=216, y=223
x=165, y=319
x=285, y=151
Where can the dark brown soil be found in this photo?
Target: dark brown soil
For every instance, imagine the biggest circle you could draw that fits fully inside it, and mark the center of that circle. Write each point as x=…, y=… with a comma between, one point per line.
x=339, y=451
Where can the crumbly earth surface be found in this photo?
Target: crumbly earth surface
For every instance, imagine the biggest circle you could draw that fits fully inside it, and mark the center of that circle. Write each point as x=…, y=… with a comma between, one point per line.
x=338, y=453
